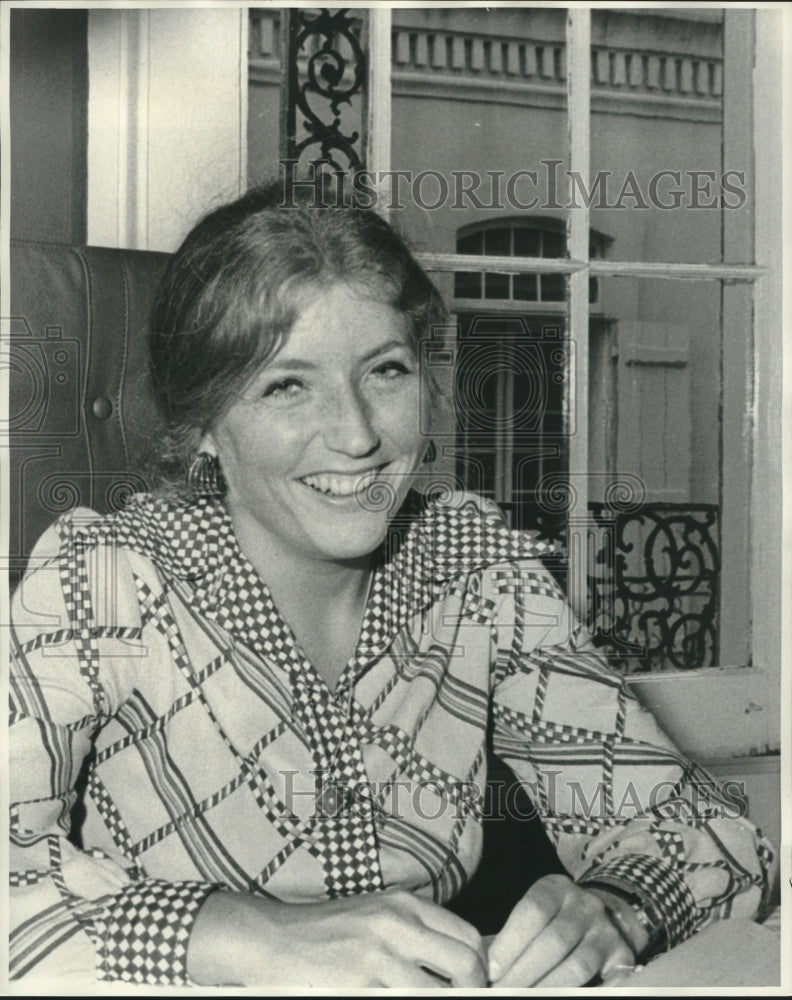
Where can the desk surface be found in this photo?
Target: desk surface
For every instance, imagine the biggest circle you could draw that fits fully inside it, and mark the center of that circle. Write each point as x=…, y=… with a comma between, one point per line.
x=728, y=953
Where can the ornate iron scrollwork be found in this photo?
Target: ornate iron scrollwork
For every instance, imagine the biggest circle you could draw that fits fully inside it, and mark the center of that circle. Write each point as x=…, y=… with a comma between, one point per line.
x=654, y=590
x=335, y=72
x=653, y=582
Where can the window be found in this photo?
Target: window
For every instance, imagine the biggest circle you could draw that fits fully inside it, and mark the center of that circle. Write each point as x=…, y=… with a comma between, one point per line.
x=512, y=356
x=699, y=276
x=526, y=237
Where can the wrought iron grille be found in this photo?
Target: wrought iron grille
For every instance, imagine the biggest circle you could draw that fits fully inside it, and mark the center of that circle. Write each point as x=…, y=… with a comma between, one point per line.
x=325, y=69
x=653, y=580
x=654, y=586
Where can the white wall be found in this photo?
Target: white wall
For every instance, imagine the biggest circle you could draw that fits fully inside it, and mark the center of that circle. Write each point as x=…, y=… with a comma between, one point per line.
x=167, y=121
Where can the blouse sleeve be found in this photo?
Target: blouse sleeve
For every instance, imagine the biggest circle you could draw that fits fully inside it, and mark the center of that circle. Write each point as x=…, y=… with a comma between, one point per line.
x=623, y=806
x=78, y=913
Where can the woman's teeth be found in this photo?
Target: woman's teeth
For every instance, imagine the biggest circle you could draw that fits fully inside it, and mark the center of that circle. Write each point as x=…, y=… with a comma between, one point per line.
x=339, y=485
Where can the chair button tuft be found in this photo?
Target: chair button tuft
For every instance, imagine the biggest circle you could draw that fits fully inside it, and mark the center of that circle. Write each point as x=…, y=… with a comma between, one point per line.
x=102, y=407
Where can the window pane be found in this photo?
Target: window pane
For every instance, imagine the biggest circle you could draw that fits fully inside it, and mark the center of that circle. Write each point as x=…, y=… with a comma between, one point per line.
x=496, y=286
x=554, y=244
x=526, y=287
x=511, y=378
x=527, y=242
x=497, y=242
x=467, y=285
x=657, y=161
x=668, y=349
x=553, y=287
x=472, y=243
x=655, y=426
x=479, y=100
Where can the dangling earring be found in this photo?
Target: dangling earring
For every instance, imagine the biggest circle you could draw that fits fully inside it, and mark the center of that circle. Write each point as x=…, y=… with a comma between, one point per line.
x=431, y=453
x=205, y=477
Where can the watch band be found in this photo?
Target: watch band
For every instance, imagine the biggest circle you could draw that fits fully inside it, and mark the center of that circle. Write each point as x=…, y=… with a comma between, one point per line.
x=619, y=925
x=646, y=913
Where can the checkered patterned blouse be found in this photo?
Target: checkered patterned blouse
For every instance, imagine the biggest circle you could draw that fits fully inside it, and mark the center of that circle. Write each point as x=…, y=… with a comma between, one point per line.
x=147, y=646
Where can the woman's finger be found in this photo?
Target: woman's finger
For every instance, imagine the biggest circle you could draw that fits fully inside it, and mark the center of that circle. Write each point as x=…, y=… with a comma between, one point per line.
x=551, y=946
x=445, y=922
x=601, y=948
x=441, y=943
x=527, y=920
x=451, y=962
x=577, y=968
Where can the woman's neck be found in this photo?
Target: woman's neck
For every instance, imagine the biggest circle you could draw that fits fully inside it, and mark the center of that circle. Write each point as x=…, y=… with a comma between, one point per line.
x=290, y=570
x=318, y=585
x=322, y=600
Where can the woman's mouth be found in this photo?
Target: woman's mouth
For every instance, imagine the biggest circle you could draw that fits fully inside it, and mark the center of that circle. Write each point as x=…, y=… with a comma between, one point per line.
x=341, y=484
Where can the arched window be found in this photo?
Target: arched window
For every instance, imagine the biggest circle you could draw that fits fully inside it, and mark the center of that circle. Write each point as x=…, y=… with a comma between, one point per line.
x=533, y=236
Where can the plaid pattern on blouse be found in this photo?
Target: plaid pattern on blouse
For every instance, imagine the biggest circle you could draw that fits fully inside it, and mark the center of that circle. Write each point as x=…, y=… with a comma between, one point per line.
x=146, y=645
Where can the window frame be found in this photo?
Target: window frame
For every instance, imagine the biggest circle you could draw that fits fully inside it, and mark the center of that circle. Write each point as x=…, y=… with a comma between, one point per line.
x=750, y=506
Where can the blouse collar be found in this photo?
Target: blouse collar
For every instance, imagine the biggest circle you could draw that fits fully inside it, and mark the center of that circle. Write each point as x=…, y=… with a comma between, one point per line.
x=431, y=541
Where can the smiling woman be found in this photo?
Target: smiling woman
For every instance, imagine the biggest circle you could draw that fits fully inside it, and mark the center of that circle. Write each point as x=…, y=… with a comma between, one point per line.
x=284, y=672
x=331, y=416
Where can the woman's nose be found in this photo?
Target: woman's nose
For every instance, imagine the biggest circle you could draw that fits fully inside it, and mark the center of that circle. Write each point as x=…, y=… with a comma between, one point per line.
x=349, y=427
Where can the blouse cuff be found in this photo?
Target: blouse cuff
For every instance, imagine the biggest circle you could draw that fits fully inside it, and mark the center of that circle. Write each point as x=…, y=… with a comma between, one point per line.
x=657, y=885
x=145, y=931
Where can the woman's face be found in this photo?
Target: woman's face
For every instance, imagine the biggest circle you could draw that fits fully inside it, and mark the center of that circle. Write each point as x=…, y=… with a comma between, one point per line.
x=326, y=427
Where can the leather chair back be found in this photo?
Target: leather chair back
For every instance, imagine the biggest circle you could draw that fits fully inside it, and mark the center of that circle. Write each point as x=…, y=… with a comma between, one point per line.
x=80, y=412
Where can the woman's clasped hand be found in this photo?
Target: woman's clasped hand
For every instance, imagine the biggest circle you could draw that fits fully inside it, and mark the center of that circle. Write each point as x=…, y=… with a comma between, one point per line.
x=558, y=935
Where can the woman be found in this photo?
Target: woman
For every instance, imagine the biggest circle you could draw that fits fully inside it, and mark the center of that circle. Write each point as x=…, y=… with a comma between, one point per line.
x=284, y=681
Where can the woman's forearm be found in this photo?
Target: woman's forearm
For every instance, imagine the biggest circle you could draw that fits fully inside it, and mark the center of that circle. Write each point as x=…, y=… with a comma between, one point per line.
x=229, y=943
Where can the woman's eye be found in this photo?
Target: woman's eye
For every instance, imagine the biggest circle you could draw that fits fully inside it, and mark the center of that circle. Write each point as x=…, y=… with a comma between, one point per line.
x=284, y=388
x=392, y=369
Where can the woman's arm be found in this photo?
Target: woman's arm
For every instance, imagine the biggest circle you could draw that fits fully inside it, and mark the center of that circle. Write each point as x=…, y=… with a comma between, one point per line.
x=629, y=814
x=83, y=912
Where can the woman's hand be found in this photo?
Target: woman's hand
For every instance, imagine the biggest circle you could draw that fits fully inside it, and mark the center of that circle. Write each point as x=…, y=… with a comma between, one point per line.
x=377, y=939
x=557, y=935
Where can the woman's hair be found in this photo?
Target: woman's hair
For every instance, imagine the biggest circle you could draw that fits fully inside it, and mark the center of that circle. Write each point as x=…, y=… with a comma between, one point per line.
x=232, y=291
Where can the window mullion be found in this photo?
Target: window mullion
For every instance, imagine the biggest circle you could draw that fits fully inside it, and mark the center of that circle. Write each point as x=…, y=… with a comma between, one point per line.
x=674, y=271
x=378, y=99
x=578, y=236
x=595, y=268
x=734, y=632
x=770, y=589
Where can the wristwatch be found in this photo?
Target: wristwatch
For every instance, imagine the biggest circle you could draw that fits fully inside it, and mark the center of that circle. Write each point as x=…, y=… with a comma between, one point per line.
x=646, y=913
